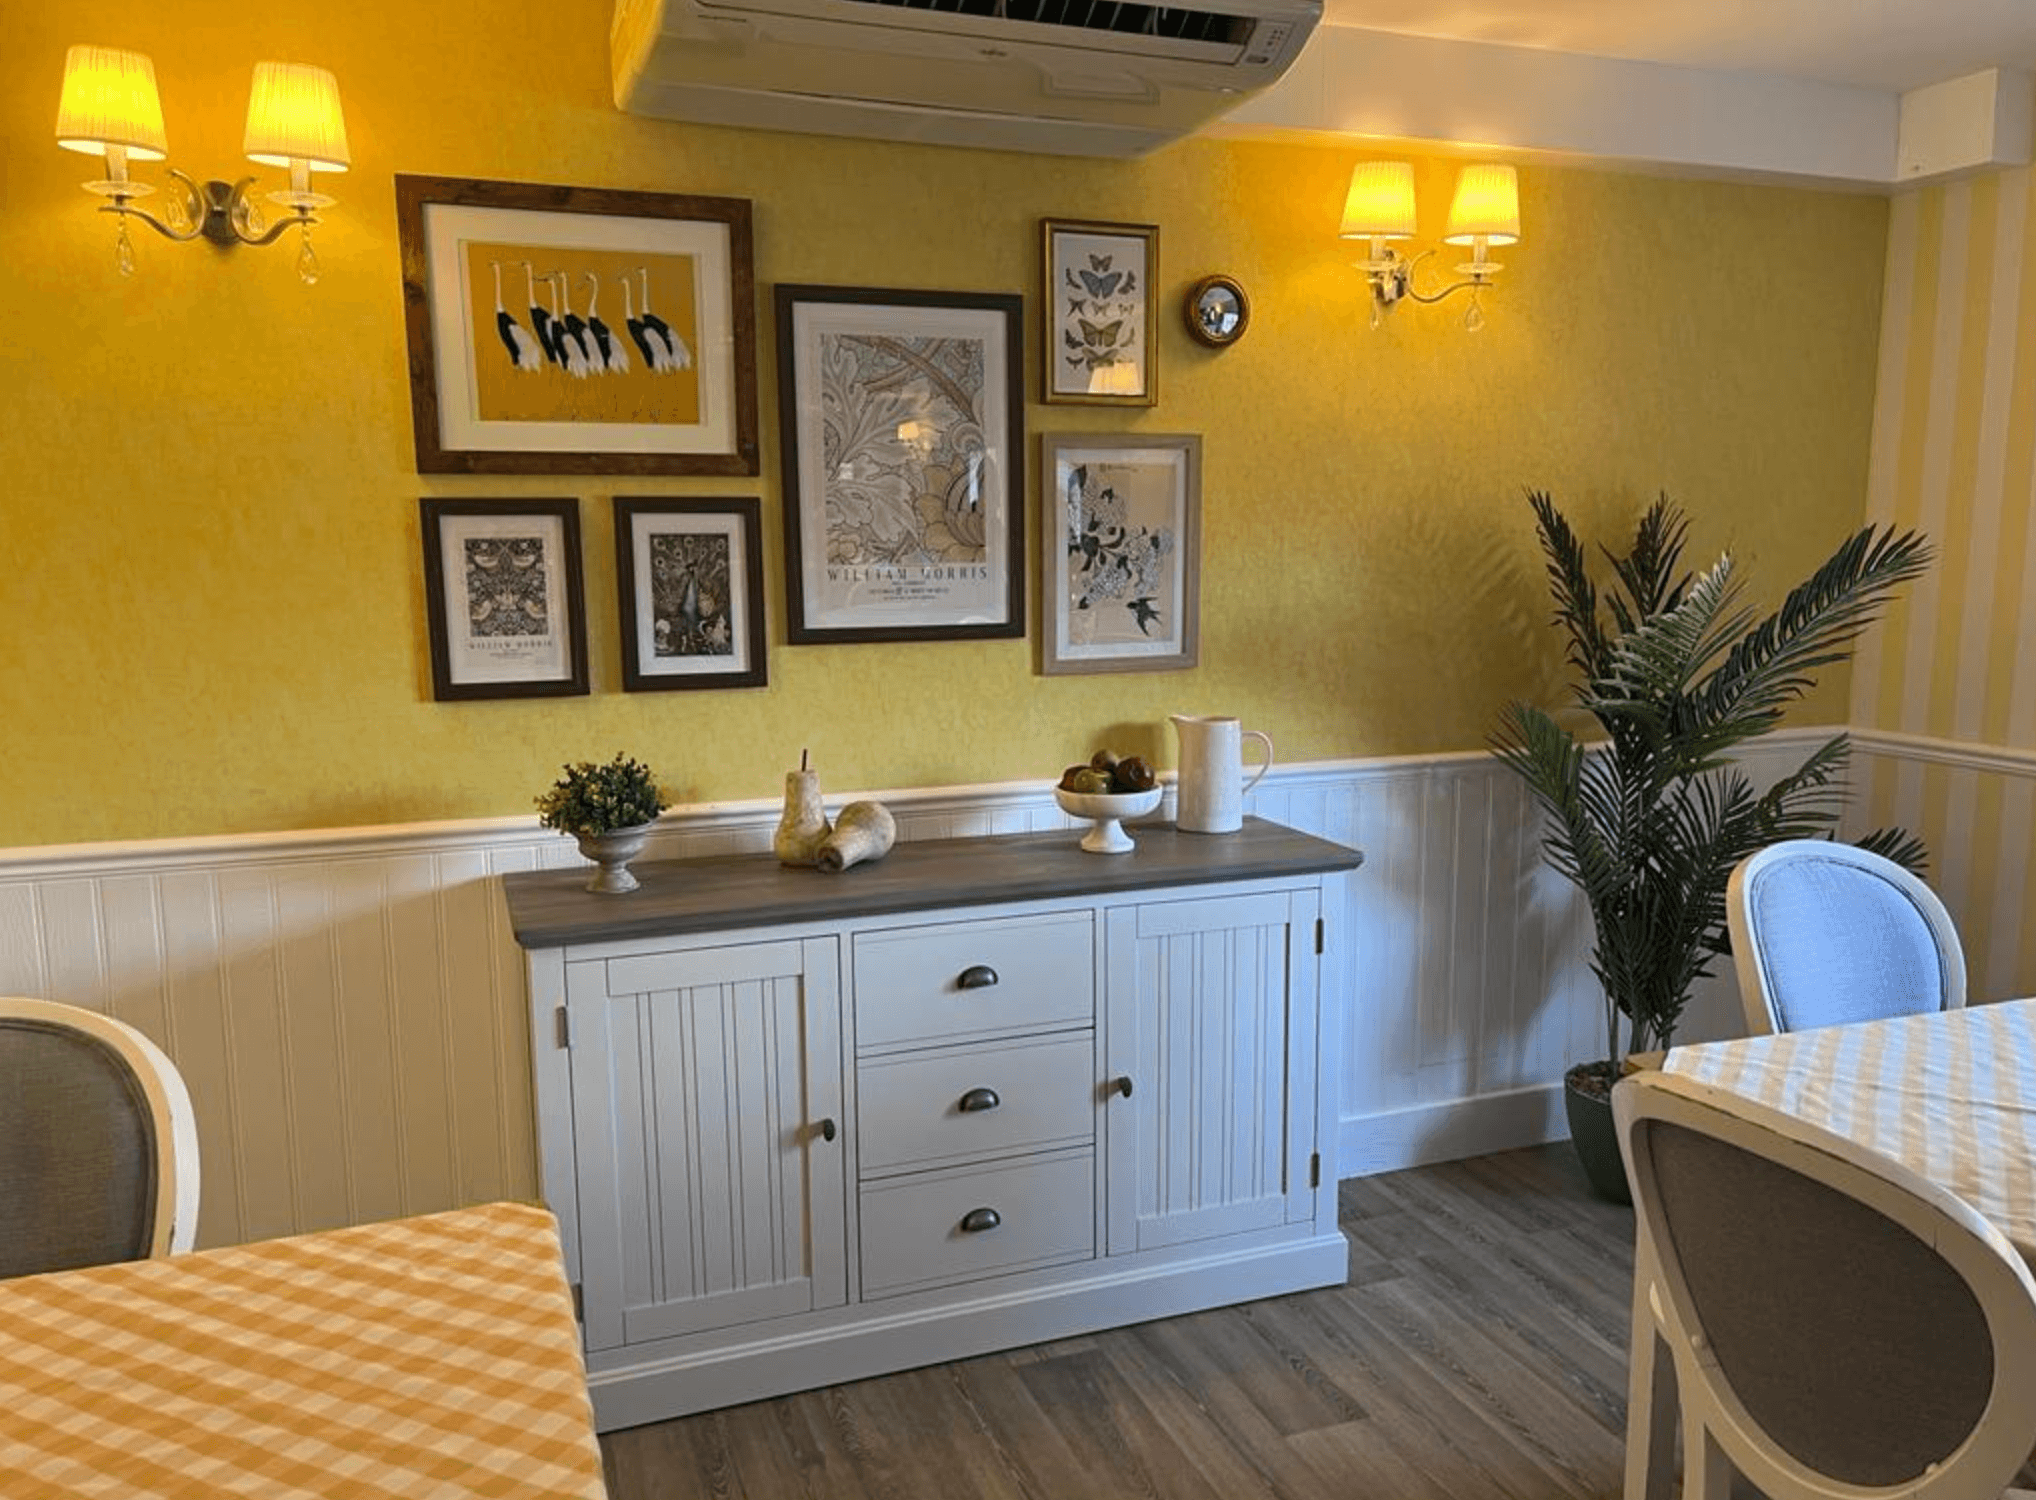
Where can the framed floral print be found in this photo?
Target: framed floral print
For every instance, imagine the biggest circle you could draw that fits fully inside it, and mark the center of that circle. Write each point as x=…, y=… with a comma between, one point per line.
x=559, y=330
x=902, y=419
x=1096, y=290
x=503, y=598
x=1120, y=565
x=689, y=582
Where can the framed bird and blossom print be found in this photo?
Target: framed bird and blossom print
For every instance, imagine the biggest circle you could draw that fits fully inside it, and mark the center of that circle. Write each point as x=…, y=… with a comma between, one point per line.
x=902, y=416
x=559, y=330
x=1097, y=293
x=1120, y=566
x=503, y=599
x=689, y=582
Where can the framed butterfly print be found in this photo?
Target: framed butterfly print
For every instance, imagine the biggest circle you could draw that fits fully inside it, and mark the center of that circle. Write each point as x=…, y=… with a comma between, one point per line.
x=1097, y=291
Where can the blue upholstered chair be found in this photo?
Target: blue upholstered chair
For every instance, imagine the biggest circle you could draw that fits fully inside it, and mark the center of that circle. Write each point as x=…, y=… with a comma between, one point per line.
x=1823, y=933
x=98, y=1144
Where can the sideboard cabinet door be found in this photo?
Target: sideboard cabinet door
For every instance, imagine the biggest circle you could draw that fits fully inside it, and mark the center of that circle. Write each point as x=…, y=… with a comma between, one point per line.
x=1210, y=1011
x=707, y=1136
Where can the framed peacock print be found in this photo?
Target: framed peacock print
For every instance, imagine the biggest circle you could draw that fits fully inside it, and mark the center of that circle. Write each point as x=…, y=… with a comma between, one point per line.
x=1096, y=290
x=560, y=330
x=503, y=598
x=689, y=583
x=901, y=415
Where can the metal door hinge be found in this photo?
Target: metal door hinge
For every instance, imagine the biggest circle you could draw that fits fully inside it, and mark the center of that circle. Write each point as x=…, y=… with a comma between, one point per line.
x=565, y=1028
x=579, y=1304
x=1318, y=935
x=1314, y=1169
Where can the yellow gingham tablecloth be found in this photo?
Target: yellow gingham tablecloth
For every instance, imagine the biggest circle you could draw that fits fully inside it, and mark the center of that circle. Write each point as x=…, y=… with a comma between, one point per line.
x=426, y=1359
x=1951, y=1095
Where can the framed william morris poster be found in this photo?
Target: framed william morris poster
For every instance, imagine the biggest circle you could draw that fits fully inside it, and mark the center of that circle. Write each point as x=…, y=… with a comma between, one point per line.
x=503, y=600
x=689, y=584
x=902, y=418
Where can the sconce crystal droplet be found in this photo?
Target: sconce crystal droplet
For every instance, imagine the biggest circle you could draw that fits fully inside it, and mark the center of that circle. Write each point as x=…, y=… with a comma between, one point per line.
x=307, y=261
x=123, y=251
x=1474, y=316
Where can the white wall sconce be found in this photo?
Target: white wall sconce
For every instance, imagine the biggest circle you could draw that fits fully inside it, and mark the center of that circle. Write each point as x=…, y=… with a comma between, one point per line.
x=1379, y=208
x=110, y=108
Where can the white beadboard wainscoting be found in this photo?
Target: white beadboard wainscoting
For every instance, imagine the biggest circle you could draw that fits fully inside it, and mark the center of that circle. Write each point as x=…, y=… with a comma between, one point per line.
x=348, y=1006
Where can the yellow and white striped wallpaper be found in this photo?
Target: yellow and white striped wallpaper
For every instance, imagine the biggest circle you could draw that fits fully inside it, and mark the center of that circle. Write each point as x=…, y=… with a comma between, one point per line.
x=1945, y=691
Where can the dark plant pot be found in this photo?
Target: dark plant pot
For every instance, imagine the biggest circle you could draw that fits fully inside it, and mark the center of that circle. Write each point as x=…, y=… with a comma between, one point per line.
x=1587, y=1095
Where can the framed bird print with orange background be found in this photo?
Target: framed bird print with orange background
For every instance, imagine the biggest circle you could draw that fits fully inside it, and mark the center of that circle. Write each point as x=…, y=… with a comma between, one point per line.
x=1096, y=288
x=560, y=330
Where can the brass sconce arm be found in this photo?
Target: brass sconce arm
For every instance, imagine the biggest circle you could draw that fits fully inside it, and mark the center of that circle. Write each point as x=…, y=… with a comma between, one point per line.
x=1391, y=276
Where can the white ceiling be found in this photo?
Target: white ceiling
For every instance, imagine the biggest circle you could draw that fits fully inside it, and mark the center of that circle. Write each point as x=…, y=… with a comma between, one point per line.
x=1886, y=45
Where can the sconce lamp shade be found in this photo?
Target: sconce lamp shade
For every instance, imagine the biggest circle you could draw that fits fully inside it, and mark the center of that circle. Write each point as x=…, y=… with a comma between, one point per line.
x=1380, y=204
x=110, y=99
x=293, y=115
x=1487, y=205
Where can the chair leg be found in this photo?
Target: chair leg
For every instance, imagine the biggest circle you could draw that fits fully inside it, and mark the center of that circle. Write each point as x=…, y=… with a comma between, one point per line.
x=1651, y=1397
x=1707, y=1472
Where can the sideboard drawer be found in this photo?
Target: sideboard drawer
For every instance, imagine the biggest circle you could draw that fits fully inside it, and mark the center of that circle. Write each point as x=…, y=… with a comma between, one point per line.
x=1042, y=1211
x=927, y=1107
x=962, y=979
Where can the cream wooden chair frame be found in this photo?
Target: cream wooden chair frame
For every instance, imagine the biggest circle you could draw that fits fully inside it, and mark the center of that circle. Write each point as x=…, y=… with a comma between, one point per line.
x=175, y=1221
x=1720, y=1437
x=1749, y=944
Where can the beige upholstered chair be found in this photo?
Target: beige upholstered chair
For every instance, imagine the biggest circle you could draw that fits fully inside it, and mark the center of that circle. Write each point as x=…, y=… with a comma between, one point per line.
x=98, y=1144
x=1823, y=933
x=1841, y=1329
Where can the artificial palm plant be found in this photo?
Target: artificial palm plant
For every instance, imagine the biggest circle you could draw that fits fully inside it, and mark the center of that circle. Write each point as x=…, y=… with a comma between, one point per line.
x=1649, y=824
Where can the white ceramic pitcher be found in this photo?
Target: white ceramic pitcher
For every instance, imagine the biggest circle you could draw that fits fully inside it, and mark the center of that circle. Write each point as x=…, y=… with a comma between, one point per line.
x=1210, y=796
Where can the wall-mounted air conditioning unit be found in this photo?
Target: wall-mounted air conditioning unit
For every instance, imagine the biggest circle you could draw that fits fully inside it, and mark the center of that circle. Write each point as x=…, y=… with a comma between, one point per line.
x=1073, y=77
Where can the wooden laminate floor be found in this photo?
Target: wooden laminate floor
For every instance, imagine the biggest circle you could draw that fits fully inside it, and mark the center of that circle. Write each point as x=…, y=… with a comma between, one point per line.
x=1479, y=1350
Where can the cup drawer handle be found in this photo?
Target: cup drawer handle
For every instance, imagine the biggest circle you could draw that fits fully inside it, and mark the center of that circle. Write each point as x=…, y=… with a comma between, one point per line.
x=977, y=977
x=979, y=1099
x=976, y=1220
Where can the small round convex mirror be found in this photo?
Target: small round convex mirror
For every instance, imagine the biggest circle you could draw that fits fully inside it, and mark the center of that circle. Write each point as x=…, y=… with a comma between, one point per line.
x=1217, y=311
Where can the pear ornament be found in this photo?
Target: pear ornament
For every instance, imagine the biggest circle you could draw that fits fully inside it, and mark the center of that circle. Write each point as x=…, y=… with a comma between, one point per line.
x=804, y=822
x=864, y=831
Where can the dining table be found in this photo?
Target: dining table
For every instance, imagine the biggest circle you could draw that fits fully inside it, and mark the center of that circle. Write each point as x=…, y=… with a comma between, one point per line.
x=1951, y=1095
x=427, y=1358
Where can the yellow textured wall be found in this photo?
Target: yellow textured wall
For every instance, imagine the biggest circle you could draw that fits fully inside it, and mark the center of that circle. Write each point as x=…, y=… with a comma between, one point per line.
x=1954, y=453
x=212, y=593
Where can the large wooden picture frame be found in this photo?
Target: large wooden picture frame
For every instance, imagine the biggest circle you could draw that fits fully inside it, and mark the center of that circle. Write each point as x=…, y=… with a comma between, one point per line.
x=1120, y=556
x=902, y=418
x=1096, y=298
x=560, y=330
x=689, y=585
x=505, y=607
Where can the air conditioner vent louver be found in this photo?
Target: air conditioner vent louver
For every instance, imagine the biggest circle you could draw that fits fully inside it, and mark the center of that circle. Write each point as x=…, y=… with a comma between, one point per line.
x=1125, y=19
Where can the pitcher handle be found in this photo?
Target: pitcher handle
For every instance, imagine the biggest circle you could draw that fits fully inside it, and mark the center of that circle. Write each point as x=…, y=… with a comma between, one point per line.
x=1266, y=739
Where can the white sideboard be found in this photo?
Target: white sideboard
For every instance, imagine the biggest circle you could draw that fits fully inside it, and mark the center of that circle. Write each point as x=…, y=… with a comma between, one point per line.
x=800, y=1128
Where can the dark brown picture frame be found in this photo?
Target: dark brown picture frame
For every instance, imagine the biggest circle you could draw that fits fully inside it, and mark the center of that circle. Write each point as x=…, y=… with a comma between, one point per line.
x=462, y=669
x=844, y=582
x=731, y=613
x=446, y=339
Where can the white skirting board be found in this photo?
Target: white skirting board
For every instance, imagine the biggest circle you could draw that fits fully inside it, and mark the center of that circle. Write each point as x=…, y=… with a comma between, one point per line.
x=347, y=1005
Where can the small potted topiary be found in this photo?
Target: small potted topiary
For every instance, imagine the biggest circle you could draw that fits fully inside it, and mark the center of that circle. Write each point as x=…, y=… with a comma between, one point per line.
x=610, y=809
